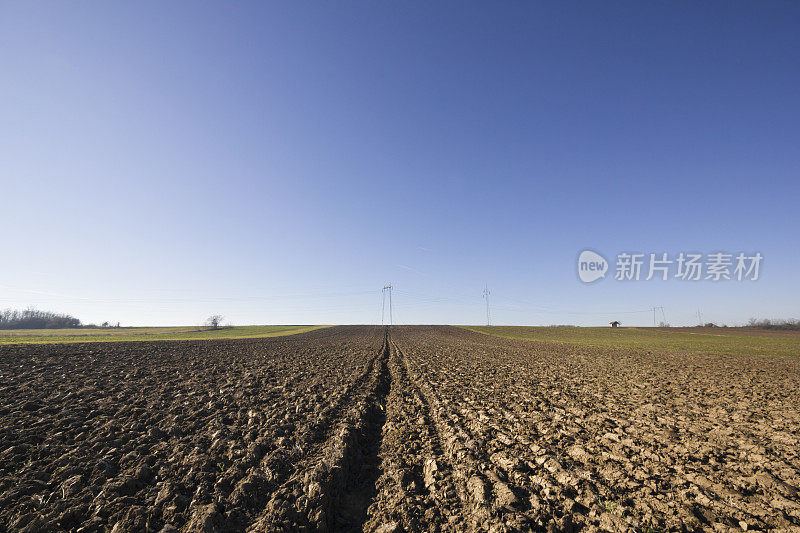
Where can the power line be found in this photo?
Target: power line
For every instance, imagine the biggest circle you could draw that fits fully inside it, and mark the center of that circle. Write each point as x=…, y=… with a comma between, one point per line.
x=519, y=304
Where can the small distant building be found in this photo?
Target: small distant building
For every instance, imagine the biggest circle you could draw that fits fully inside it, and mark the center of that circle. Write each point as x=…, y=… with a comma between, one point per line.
x=615, y=324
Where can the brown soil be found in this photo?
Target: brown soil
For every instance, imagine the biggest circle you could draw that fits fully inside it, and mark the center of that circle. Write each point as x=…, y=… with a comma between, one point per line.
x=418, y=429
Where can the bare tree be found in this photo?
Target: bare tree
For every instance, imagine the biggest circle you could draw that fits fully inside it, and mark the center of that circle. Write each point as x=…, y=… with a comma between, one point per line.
x=214, y=321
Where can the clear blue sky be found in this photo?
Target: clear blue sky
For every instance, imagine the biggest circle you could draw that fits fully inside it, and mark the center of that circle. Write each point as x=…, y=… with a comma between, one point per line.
x=280, y=162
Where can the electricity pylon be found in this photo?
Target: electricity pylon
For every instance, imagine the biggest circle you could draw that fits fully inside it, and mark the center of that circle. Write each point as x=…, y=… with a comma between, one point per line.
x=386, y=288
x=664, y=316
x=486, y=297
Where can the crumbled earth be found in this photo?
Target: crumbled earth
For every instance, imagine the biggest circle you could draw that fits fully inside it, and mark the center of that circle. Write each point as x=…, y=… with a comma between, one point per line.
x=417, y=428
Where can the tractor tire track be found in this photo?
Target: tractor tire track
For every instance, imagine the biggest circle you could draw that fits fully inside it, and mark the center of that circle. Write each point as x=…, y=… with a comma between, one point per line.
x=333, y=487
x=415, y=491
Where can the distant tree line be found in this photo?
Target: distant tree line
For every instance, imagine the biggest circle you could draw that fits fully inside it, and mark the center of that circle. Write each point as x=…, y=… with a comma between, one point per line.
x=766, y=323
x=35, y=319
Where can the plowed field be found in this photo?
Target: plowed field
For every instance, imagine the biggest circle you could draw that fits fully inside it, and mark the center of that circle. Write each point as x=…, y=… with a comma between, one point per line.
x=404, y=429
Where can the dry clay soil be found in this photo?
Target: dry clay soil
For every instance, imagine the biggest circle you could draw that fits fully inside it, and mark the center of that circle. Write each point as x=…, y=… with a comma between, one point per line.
x=402, y=429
